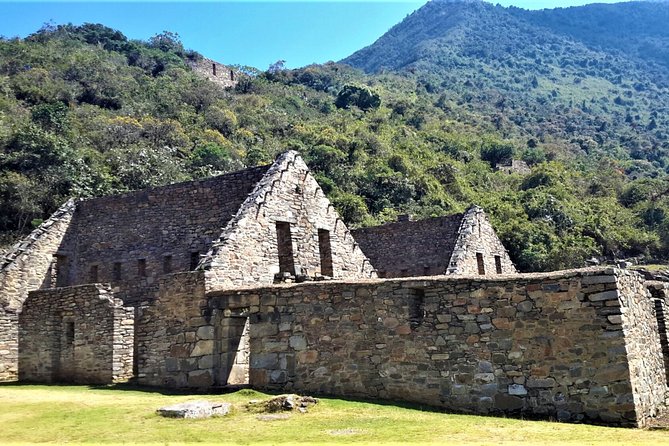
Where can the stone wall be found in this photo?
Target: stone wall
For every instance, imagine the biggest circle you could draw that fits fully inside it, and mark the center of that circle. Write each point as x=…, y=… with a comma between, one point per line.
x=660, y=293
x=575, y=346
x=174, y=335
x=28, y=266
x=643, y=343
x=477, y=237
x=435, y=246
x=9, y=348
x=248, y=251
x=216, y=72
x=78, y=334
x=410, y=248
x=128, y=238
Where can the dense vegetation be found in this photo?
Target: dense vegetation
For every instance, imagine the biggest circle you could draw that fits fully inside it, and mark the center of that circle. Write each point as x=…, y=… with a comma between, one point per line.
x=86, y=112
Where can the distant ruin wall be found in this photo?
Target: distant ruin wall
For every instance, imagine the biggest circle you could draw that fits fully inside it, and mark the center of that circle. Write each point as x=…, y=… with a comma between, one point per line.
x=28, y=266
x=574, y=346
x=78, y=334
x=216, y=72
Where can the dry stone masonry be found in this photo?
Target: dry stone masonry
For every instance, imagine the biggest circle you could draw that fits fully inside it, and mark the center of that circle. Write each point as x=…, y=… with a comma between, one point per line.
x=574, y=346
x=28, y=266
x=79, y=334
x=193, y=286
x=456, y=244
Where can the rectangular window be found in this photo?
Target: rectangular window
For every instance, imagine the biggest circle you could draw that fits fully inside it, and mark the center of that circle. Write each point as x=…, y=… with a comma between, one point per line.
x=93, y=274
x=498, y=264
x=284, y=244
x=69, y=333
x=117, y=271
x=194, y=260
x=141, y=267
x=426, y=270
x=325, y=250
x=62, y=270
x=480, y=264
x=167, y=264
x=416, y=307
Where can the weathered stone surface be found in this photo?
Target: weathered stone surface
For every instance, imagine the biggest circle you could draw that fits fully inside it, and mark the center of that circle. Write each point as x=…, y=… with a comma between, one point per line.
x=76, y=334
x=443, y=245
x=283, y=403
x=195, y=409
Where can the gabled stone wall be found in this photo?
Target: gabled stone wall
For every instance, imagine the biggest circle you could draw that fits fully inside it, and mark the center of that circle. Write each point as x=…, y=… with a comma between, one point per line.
x=114, y=234
x=29, y=265
x=476, y=236
x=247, y=252
x=76, y=334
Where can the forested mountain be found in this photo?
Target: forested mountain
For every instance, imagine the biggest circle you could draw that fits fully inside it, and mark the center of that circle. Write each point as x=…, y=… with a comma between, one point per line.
x=452, y=92
x=586, y=75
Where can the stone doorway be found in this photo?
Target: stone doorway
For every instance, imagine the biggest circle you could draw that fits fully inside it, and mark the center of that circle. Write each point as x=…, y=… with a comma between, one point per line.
x=234, y=351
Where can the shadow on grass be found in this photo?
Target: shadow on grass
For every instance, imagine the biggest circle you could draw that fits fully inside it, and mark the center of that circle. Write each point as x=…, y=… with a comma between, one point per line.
x=661, y=423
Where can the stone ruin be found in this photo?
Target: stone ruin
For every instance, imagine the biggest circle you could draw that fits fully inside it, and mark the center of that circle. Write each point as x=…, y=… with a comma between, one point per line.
x=194, y=286
x=216, y=72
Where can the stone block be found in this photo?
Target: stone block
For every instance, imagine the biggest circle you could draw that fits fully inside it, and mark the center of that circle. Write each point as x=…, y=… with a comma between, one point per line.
x=541, y=382
x=205, y=332
x=298, y=342
x=203, y=348
x=508, y=402
x=195, y=409
x=200, y=378
x=605, y=295
x=517, y=390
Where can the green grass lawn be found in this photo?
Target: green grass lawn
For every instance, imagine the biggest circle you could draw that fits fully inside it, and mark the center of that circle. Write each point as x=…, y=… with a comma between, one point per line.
x=79, y=414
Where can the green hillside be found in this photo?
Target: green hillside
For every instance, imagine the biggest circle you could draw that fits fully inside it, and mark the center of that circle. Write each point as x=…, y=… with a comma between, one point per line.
x=86, y=112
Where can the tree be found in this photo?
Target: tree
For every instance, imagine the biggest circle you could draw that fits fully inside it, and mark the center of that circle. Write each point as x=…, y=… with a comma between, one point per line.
x=361, y=97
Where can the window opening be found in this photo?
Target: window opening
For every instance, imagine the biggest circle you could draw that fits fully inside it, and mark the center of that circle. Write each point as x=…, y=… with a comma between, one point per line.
x=167, y=264
x=498, y=264
x=62, y=270
x=325, y=250
x=416, y=307
x=480, y=264
x=284, y=242
x=93, y=274
x=69, y=333
x=141, y=267
x=194, y=260
x=117, y=271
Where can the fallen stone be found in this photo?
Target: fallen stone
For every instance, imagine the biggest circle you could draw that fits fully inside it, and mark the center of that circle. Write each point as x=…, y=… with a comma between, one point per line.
x=195, y=409
x=283, y=403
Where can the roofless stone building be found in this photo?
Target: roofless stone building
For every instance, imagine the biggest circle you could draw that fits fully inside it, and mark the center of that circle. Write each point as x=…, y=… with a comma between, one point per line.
x=193, y=286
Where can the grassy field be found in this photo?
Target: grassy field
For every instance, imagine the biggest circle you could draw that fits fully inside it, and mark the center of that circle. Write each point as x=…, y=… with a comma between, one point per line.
x=79, y=414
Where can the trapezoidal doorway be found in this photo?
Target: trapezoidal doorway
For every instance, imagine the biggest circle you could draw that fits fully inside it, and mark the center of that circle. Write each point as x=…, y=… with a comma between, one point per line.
x=233, y=363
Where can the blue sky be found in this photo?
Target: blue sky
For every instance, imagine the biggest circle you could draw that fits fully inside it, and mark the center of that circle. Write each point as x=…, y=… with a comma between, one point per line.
x=255, y=33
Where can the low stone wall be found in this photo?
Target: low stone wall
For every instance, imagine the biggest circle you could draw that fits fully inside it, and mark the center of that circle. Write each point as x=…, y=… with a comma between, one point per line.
x=76, y=334
x=574, y=346
x=174, y=343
